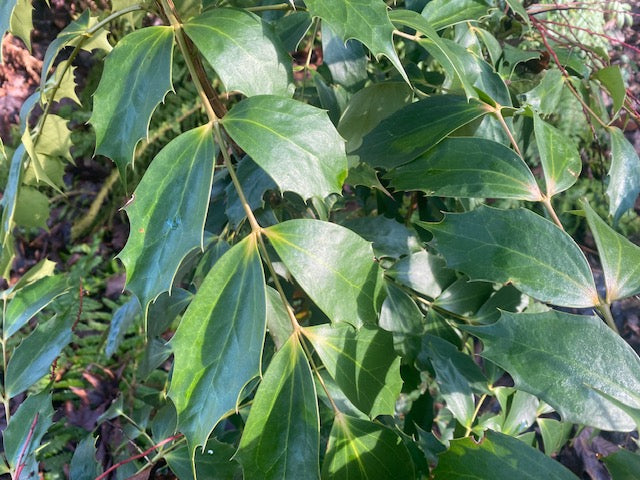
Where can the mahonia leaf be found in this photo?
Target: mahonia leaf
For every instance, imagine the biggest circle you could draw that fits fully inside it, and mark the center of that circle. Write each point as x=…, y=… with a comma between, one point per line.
x=243, y=51
x=364, y=20
x=518, y=247
x=21, y=24
x=619, y=257
x=8, y=204
x=334, y=265
x=545, y=355
x=64, y=77
x=624, y=175
x=218, y=345
x=168, y=212
x=295, y=143
x=282, y=435
x=611, y=78
x=362, y=449
x=444, y=13
x=6, y=9
x=363, y=364
x=136, y=77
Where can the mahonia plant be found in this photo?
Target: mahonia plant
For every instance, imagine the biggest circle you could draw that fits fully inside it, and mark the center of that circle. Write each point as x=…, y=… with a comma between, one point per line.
x=337, y=324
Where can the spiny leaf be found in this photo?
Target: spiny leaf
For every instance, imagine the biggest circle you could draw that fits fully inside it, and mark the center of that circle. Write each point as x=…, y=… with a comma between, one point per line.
x=136, y=77
x=497, y=457
x=364, y=450
x=468, y=167
x=364, y=20
x=8, y=204
x=332, y=264
x=363, y=364
x=168, y=212
x=281, y=437
x=559, y=157
x=444, y=13
x=416, y=128
x=6, y=9
x=295, y=143
x=619, y=257
x=624, y=175
x=223, y=326
x=545, y=355
x=611, y=79
x=243, y=51
x=22, y=21
x=518, y=247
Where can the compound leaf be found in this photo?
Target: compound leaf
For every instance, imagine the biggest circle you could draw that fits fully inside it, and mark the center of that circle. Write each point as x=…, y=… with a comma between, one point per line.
x=545, y=355
x=416, y=128
x=136, y=77
x=619, y=257
x=468, y=167
x=363, y=364
x=519, y=247
x=168, y=212
x=243, y=51
x=334, y=265
x=223, y=326
x=281, y=437
x=295, y=143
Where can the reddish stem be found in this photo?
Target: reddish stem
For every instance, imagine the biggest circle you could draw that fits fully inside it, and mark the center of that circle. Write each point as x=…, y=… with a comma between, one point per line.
x=590, y=32
x=23, y=451
x=136, y=457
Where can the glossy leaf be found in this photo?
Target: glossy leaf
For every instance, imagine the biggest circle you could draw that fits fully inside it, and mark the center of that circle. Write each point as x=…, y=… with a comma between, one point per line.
x=450, y=61
x=447, y=170
x=254, y=182
x=136, y=77
x=21, y=23
x=215, y=462
x=559, y=157
x=518, y=8
x=32, y=359
x=295, y=143
x=624, y=175
x=399, y=313
x=32, y=208
x=363, y=364
x=611, y=79
x=6, y=9
x=415, y=129
x=168, y=212
x=364, y=20
x=361, y=449
x=243, y=50
x=224, y=325
x=546, y=96
x=497, y=457
x=20, y=439
x=444, y=13
x=518, y=247
x=278, y=321
x=545, y=355
x=346, y=61
x=31, y=299
x=554, y=434
x=333, y=265
x=464, y=297
x=389, y=238
x=122, y=319
x=281, y=436
x=619, y=257
x=84, y=465
x=423, y=272
x=623, y=465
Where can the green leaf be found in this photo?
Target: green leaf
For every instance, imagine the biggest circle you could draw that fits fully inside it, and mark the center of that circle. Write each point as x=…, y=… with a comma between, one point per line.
x=21, y=23
x=423, y=272
x=416, y=128
x=389, y=237
x=623, y=465
x=64, y=77
x=333, y=265
x=464, y=297
x=6, y=9
x=554, y=434
x=447, y=170
x=215, y=462
x=364, y=20
x=624, y=175
x=243, y=50
x=518, y=247
x=359, y=449
x=619, y=257
x=346, y=61
x=295, y=143
x=9, y=203
x=363, y=364
x=31, y=299
x=545, y=355
x=399, y=313
x=281, y=437
x=32, y=209
x=559, y=156
x=254, y=182
x=545, y=97
x=122, y=319
x=497, y=457
x=611, y=79
x=444, y=13
x=27, y=427
x=453, y=64
x=455, y=390
x=370, y=106
x=136, y=77
x=278, y=321
x=518, y=8
x=32, y=359
x=168, y=213
x=224, y=325
x=84, y=465
x=292, y=28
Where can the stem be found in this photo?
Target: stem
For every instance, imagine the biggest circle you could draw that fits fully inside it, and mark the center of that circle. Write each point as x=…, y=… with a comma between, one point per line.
x=307, y=352
x=498, y=113
x=546, y=201
x=277, y=6
x=136, y=457
x=20, y=463
x=605, y=310
x=475, y=414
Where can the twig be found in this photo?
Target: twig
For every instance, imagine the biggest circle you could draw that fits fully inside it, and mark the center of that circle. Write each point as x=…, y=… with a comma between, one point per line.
x=23, y=451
